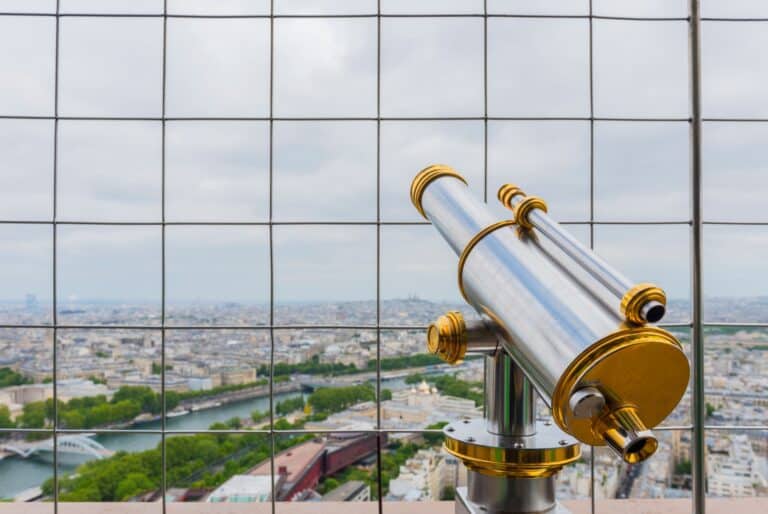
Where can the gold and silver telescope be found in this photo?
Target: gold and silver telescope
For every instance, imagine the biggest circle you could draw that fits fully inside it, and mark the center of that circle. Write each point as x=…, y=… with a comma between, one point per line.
x=555, y=320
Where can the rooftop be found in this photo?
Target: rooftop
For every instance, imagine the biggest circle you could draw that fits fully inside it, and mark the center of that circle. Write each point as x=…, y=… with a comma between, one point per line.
x=294, y=460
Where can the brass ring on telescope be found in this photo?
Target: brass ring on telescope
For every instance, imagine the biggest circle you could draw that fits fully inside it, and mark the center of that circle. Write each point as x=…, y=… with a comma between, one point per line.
x=634, y=299
x=502, y=461
x=472, y=243
x=427, y=175
x=619, y=365
x=524, y=208
x=506, y=193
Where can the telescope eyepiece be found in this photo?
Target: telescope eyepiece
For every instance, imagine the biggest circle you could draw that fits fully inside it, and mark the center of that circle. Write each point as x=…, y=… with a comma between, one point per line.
x=626, y=434
x=653, y=311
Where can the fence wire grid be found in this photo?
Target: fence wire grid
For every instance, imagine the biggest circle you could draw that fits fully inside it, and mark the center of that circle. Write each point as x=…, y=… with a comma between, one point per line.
x=693, y=20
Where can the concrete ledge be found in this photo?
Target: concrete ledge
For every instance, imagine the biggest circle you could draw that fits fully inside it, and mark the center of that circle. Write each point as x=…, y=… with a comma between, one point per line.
x=714, y=506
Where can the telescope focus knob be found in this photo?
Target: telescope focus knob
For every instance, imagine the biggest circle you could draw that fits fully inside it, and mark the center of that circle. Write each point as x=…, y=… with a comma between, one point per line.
x=451, y=337
x=446, y=337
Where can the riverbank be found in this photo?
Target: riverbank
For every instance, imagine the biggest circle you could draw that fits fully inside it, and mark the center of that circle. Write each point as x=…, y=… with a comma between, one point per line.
x=17, y=475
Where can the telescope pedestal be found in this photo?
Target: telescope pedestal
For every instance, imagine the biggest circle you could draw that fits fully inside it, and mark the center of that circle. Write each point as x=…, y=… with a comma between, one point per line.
x=507, y=495
x=465, y=506
x=511, y=458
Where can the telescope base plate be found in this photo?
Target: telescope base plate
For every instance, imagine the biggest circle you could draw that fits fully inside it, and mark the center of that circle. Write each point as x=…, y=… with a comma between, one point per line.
x=538, y=455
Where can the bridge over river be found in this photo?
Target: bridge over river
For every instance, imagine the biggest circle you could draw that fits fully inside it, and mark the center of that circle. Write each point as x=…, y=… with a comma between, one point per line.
x=72, y=449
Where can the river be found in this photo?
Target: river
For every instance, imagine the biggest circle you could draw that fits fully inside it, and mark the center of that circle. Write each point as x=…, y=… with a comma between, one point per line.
x=17, y=475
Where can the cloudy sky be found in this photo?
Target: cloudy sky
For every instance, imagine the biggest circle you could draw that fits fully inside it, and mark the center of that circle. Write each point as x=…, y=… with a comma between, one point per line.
x=325, y=171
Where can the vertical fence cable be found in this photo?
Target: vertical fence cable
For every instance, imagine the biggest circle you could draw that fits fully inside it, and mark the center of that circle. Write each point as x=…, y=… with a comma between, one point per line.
x=697, y=337
x=163, y=456
x=593, y=503
x=54, y=313
x=379, y=481
x=273, y=498
x=485, y=101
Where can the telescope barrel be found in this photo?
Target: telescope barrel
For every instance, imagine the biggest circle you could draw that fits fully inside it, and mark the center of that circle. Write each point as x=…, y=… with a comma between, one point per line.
x=639, y=303
x=563, y=336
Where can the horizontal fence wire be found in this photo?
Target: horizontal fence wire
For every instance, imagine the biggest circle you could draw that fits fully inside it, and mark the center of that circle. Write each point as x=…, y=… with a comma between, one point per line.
x=75, y=14
x=670, y=119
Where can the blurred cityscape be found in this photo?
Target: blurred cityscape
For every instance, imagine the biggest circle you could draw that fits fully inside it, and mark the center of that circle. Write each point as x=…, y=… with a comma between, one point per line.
x=323, y=389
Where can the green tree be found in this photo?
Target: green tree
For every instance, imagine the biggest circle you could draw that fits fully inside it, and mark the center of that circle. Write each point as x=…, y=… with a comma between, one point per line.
x=336, y=399
x=33, y=415
x=328, y=485
x=132, y=485
x=172, y=400
x=9, y=377
x=414, y=379
x=386, y=394
x=287, y=406
x=448, y=493
x=145, y=396
x=157, y=368
x=5, y=417
x=683, y=467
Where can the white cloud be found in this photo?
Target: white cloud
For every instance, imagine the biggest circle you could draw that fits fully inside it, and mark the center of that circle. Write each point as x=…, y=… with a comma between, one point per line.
x=579, y=7
x=324, y=171
x=325, y=67
x=549, y=159
x=641, y=68
x=734, y=260
x=735, y=172
x=642, y=171
x=217, y=263
x=646, y=8
x=27, y=61
x=538, y=68
x=317, y=263
x=110, y=66
x=432, y=67
x=217, y=171
x=325, y=7
x=416, y=261
x=734, y=69
x=218, y=67
x=658, y=254
x=109, y=170
x=409, y=146
x=26, y=169
x=117, y=263
x=112, y=6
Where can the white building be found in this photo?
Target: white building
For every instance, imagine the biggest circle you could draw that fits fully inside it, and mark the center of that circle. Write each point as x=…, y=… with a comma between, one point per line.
x=733, y=468
x=243, y=488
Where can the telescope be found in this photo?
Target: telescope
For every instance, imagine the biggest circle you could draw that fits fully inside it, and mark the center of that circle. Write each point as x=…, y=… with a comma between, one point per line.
x=557, y=322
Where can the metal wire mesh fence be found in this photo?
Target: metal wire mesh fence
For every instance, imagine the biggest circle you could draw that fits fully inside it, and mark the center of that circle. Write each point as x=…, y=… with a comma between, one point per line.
x=272, y=16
